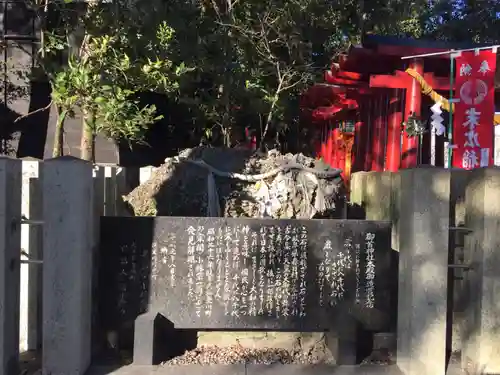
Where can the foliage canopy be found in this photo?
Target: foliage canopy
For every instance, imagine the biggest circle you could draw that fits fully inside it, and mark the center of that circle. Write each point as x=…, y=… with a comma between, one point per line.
x=223, y=65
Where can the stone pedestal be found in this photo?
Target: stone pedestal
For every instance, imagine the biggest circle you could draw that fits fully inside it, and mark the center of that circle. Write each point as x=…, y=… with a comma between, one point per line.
x=150, y=333
x=68, y=242
x=10, y=241
x=424, y=200
x=481, y=336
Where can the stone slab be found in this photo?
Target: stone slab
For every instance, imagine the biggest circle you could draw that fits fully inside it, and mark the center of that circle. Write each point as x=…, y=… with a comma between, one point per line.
x=249, y=369
x=279, y=369
x=170, y=370
x=179, y=267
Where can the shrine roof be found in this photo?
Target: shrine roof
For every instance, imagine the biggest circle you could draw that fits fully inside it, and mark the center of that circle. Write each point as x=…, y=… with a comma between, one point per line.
x=390, y=45
x=376, y=64
x=367, y=61
x=382, y=54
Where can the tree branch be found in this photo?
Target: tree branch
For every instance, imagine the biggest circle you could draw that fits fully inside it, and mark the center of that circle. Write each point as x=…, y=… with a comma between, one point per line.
x=35, y=111
x=270, y=114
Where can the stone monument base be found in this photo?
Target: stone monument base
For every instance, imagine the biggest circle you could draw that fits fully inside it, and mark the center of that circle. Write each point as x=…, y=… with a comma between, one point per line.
x=250, y=370
x=314, y=344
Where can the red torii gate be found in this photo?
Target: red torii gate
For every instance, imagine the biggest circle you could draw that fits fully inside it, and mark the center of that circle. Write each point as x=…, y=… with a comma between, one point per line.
x=371, y=80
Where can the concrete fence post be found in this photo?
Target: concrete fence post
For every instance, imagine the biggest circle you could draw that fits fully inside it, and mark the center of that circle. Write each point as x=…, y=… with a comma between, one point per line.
x=424, y=201
x=10, y=256
x=68, y=241
x=481, y=334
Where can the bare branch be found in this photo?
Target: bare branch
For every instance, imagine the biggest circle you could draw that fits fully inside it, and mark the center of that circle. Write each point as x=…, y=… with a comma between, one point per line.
x=35, y=111
x=250, y=35
x=285, y=88
x=278, y=71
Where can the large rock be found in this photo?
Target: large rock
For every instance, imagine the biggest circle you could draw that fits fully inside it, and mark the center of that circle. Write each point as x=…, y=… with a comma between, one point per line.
x=180, y=187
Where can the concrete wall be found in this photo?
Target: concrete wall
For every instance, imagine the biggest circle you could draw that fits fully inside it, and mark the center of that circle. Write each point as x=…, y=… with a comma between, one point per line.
x=424, y=204
x=472, y=200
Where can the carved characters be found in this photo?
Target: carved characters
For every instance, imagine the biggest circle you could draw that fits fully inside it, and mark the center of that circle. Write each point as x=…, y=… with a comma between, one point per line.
x=264, y=271
x=370, y=270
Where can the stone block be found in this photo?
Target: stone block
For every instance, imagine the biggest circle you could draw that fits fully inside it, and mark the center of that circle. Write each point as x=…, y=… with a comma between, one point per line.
x=481, y=336
x=148, y=332
x=68, y=242
x=424, y=199
x=260, y=369
x=156, y=340
x=377, y=195
x=357, y=187
x=10, y=242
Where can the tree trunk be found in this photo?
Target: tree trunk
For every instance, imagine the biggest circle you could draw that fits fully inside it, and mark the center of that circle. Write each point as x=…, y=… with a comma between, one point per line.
x=87, y=143
x=269, y=119
x=57, y=149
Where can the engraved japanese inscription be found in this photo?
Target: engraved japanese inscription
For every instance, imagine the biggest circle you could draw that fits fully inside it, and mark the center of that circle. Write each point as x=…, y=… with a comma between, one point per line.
x=234, y=270
x=124, y=283
x=253, y=273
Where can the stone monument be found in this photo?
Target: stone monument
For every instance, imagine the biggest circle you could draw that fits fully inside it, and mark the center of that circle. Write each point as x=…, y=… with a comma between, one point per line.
x=245, y=274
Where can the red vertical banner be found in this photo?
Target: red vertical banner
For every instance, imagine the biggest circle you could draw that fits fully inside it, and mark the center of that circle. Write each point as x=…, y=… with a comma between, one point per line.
x=474, y=110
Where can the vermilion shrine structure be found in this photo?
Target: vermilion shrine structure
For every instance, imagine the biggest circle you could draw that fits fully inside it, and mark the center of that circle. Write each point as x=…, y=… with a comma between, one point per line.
x=359, y=109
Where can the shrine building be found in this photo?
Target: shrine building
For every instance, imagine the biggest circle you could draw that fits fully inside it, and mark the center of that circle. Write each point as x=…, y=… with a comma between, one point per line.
x=358, y=112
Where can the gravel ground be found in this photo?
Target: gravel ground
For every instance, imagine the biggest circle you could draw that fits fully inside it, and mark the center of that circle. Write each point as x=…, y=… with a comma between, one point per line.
x=380, y=357
x=211, y=355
